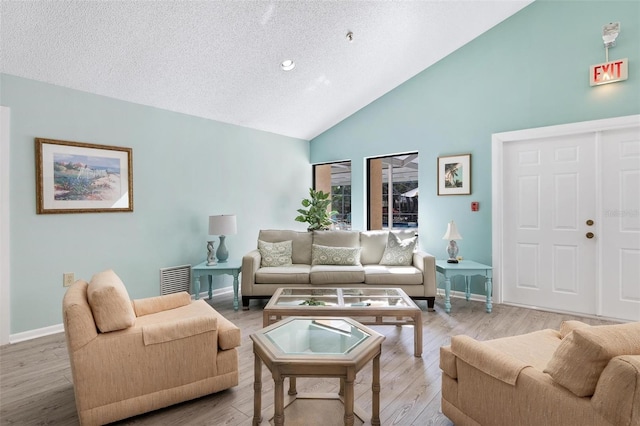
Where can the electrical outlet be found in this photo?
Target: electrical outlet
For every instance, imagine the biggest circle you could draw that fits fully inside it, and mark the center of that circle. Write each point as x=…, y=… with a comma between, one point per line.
x=67, y=279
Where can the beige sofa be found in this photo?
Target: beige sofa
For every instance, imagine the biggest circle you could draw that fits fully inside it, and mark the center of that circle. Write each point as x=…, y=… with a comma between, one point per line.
x=364, y=259
x=130, y=357
x=580, y=375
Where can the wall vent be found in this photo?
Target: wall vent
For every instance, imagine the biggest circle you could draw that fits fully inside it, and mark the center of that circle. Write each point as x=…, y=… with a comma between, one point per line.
x=175, y=279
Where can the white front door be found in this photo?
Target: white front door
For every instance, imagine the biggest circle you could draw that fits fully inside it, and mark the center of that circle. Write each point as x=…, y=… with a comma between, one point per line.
x=549, y=195
x=620, y=229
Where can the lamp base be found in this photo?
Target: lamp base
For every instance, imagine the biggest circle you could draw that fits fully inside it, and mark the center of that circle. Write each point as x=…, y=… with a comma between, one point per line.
x=222, y=254
x=452, y=260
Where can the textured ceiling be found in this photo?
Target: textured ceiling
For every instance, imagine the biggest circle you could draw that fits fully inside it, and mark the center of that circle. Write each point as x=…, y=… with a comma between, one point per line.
x=221, y=59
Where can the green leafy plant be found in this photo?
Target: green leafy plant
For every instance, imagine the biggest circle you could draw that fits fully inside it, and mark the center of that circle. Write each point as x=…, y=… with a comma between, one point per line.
x=317, y=213
x=313, y=302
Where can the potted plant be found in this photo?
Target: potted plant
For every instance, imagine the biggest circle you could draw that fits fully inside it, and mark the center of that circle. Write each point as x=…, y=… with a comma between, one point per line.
x=317, y=213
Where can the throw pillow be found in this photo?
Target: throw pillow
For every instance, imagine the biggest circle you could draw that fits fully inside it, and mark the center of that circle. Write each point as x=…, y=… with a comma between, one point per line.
x=275, y=254
x=109, y=301
x=398, y=252
x=325, y=255
x=579, y=360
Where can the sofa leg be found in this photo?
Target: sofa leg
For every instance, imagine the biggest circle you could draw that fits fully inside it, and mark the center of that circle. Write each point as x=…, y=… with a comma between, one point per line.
x=431, y=301
x=245, y=303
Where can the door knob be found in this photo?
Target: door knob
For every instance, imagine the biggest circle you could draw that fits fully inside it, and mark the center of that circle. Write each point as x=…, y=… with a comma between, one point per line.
x=590, y=235
x=589, y=222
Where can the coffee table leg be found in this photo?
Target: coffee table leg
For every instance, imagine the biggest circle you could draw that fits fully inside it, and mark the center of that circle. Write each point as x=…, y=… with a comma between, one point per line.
x=257, y=390
x=375, y=392
x=417, y=337
x=278, y=399
x=349, y=397
x=292, y=386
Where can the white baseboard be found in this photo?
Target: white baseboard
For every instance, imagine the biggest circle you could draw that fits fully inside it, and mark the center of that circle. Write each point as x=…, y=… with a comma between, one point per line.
x=33, y=334
x=59, y=328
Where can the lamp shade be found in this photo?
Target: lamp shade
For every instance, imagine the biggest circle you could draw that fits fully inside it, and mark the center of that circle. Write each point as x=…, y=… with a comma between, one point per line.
x=222, y=224
x=452, y=232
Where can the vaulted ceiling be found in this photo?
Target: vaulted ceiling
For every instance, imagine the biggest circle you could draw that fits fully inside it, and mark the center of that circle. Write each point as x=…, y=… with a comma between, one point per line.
x=221, y=60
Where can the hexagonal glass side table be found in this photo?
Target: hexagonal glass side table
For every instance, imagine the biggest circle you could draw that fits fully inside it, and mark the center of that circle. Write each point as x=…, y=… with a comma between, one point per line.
x=316, y=347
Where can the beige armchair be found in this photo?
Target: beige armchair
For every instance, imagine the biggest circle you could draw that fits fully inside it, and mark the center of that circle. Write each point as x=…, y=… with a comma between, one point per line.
x=131, y=357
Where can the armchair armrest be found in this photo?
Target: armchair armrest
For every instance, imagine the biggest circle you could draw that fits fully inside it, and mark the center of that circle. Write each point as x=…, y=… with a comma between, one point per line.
x=617, y=395
x=152, y=305
x=250, y=264
x=487, y=359
x=177, y=329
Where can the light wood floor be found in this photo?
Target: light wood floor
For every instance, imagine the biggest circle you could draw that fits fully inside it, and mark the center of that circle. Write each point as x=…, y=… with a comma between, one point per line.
x=36, y=386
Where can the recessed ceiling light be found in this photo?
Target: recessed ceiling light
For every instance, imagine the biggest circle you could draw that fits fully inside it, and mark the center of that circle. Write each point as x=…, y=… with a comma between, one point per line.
x=288, y=65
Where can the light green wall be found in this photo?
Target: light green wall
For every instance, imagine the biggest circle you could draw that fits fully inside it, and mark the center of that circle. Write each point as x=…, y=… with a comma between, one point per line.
x=529, y=71
x=184, y=169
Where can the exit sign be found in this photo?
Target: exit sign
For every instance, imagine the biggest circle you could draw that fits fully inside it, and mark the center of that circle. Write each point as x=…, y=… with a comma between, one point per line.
x=609, y=72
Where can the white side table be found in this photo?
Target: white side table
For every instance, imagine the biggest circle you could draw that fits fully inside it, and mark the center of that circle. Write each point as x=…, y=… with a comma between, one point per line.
x=468, y=268
x=230, y=267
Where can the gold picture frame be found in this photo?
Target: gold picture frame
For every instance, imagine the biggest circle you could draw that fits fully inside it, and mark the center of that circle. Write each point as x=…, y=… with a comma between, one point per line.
x=77, y=177
x=454, y=175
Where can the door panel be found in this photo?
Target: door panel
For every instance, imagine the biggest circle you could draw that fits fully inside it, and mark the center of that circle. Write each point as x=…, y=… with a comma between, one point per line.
x=620, y=293
x=548, y=196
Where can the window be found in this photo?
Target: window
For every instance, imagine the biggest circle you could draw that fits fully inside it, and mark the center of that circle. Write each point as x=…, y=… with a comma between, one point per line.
x=393, y=191
x=335, y=178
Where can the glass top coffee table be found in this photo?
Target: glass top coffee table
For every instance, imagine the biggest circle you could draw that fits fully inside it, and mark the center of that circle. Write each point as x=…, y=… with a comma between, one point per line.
x=316, y=347
x=370, y=306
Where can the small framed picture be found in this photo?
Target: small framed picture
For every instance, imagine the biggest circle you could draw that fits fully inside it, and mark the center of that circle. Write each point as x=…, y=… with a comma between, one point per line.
x=454, y=175
x=75, y=177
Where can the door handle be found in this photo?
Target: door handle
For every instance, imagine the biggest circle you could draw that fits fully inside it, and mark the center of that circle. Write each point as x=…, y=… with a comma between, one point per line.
x=589, y=222
x=590, y=235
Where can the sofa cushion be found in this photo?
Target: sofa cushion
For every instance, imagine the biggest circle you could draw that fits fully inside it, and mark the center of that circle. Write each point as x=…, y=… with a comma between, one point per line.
x=300, y=243
x=579, y=360
x=294, y=274
x=336, y=274
x=275, y=254
x=110, y=304
x=373, y=244
x=323, y=255
x=392, y=276
x=398, y=252
x=337, y=238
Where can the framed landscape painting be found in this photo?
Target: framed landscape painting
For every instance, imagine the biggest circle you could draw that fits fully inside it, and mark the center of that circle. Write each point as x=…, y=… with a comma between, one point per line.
x=75, y=177
x=454, y=175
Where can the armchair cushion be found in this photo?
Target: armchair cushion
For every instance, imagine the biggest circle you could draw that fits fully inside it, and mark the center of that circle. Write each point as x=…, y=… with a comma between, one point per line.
x=585, y=352
x=110, y=304
x=151, y=305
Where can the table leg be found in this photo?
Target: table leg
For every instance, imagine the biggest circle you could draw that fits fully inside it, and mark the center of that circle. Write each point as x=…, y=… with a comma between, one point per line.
x=488, y=289
x=447, y=293
x=349, y=397
x=278, y=399
x=467, y=287
x=257, y=390
x=236, y=304
x=210, y=286
x=196, y=285
x=417, y=334
x=292, y=386
x=375, y=392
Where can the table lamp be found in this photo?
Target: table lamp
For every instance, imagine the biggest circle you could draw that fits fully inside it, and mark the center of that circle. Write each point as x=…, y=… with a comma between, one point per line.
x=221, y=225
x=452, y=235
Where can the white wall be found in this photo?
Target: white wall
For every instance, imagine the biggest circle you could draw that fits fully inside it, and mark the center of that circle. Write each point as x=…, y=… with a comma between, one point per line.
x=5, y=316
